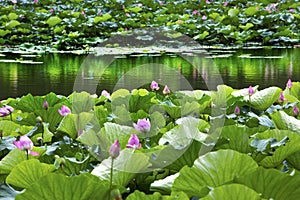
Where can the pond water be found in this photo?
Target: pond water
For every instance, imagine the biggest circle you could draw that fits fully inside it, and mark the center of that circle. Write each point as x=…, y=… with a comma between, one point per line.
x=64, y=73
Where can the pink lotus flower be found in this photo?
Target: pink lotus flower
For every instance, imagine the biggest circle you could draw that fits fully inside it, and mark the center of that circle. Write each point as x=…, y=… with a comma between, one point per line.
x=115, y=149
x=46, y=105
x=250, y=91
x=140, y=5
x=64, y=110
x=204, y=17
x=257, y=8
x=133, y=142
x=295, y=111
x=51, y=10
x=35, y=1
x=105, y=94
x=289, y=84
x=142, y=125
x=25, y=144
x=281, y=98
x=291, y=10
x=166, y=90
x=195, y=12
x=14, y=1
x=127, y=15
x=225, y=3
x=268, y=9
x=154, y=86
x=6, y=110
x=207, y=1
x=161, y=3
x=237, y=110
x=82, y=12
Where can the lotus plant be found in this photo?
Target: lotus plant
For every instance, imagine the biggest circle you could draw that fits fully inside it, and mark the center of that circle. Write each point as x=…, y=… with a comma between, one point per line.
x=64, y=110
x=250, y=93
x=25, y=144
x=289, y=85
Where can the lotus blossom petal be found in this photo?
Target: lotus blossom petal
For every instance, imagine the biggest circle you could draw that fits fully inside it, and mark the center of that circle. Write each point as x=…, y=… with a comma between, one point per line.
x=133, y=142
x=46, y=105
x=295, y=111
x=105, y=94
x=250, y=90
x=142, y=125
x=6, y=110
x=237, y=110
x=115, y=149
x=154, y=86
x=166, y=90
x=289, y=84
x=64, y=110
x=281, y=98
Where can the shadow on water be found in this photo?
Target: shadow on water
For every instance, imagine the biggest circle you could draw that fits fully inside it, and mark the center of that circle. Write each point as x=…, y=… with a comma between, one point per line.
x=57, y=72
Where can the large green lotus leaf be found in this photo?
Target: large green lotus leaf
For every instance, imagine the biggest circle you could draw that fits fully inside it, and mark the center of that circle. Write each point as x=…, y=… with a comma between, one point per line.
x=82, y=102
x=137, y=195
x=141, y=99
x=73, y=167
x=103, y=18
x=284, y=121
x=72, y=123
x=272, y=184
x=11, y=24
x=211, y=170
x=184, y=157
x=11, y=160
x=294, y=160
x=118, y=132
x=59, y=187
x=282, y=152
x=27, y=172
x=232, y=192
x=263, y=99
x=125, y=166
x=10, y=128
x=182, y=136
x=52, y=21
x=237, y=138
x=164, y=186
x=30, y=103
x=6, y=192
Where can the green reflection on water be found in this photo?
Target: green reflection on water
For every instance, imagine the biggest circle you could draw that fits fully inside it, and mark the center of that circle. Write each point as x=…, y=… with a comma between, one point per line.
x=59, y=71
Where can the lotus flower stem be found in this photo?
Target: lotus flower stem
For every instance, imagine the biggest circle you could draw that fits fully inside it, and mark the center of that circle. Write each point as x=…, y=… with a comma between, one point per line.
x=111, y=178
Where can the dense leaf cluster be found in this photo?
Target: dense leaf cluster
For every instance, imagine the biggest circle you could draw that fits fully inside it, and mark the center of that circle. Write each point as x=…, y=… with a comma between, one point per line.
x=199, y=145
x=80, y=23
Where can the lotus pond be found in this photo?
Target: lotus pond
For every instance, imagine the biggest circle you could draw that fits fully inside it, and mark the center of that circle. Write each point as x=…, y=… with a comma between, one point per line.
x=152, y=143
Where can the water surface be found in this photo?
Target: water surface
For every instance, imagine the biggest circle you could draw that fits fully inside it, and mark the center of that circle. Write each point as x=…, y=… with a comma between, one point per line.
x=59, y=72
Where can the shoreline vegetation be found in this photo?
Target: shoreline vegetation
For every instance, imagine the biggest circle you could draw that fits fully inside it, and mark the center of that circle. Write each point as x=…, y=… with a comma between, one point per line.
x=80, y=24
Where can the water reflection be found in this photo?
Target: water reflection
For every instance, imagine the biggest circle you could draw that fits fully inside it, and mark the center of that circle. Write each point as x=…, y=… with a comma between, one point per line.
x=59, y=71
